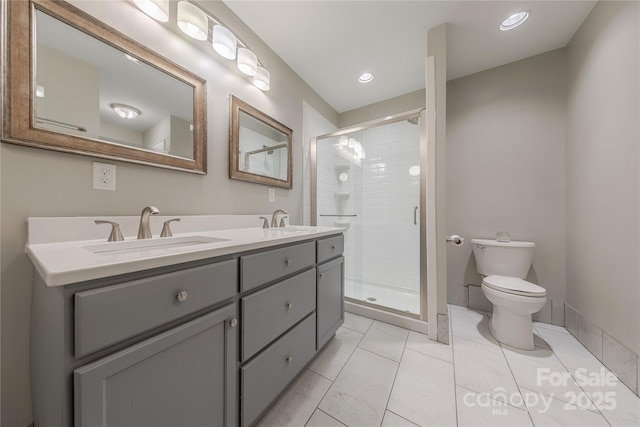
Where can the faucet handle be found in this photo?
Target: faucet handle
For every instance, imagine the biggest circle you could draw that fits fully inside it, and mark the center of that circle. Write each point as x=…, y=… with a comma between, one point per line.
x=282, y=224
x=265, y=222
x=116, y=234
x=166, y=228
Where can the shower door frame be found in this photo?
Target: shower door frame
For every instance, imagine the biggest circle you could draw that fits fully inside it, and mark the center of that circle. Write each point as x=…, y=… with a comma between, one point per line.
x=417, y=113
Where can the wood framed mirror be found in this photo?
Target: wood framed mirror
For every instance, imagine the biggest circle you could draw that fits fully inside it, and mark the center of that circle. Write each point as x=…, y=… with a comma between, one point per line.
x=75, y=84
x=259, y=147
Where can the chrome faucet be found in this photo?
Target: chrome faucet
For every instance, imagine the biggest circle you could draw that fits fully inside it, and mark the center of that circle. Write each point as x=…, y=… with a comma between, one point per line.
x=144, y=231
x=274, y=218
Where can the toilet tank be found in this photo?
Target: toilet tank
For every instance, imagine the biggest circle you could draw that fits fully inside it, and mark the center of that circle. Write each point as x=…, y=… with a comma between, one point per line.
x=503, y=258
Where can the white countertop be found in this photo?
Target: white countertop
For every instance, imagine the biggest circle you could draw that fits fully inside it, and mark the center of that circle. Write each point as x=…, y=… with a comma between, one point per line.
x=64, y=263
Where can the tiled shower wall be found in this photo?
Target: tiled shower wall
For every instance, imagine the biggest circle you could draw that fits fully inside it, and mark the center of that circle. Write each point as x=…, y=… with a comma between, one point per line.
x=382, y=242
x=337, y=197
x=390, y=239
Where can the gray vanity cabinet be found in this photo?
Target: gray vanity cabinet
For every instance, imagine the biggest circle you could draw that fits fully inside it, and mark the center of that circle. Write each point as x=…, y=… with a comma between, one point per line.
x=183, y=377
x=330, y=310
x=213, y=342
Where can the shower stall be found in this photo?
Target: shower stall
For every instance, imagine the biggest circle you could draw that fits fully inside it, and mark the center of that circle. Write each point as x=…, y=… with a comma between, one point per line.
x=367, y=180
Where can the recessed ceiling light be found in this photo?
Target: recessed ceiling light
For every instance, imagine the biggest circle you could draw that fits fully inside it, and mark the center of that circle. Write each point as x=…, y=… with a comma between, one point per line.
x=365, y=77
x=514, y=20
x=126, y=111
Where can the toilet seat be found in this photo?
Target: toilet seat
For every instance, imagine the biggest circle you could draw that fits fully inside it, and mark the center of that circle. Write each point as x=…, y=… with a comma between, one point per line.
x=513, y=285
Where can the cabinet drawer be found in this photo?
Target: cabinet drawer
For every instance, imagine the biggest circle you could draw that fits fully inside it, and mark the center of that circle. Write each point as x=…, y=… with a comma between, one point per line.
x=265, y=377
x=264, y=267
x=330, y=248
x=268, y=313
x=107, y=315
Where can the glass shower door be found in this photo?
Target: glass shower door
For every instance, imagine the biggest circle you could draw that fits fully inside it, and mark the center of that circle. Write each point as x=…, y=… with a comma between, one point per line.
x=368, y=181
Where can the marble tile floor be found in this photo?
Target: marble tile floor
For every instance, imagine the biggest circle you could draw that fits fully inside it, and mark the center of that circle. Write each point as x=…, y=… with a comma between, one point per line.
x=374, y=374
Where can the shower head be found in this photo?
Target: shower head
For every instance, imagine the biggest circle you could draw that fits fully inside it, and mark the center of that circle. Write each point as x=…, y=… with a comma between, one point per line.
x=413, y=120
x=269, y=151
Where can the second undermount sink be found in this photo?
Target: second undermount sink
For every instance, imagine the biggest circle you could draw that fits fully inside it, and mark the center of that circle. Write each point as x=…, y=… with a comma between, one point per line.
x=162, y=243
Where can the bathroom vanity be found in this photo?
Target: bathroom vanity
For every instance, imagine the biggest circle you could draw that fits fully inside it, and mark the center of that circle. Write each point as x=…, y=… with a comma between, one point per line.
x=213, y=339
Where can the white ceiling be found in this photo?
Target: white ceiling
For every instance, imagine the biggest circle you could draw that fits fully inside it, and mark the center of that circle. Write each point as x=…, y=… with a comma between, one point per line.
x=330, y=43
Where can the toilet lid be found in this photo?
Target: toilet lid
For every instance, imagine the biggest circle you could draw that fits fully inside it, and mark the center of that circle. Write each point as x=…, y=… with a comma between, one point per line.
x=513, y=285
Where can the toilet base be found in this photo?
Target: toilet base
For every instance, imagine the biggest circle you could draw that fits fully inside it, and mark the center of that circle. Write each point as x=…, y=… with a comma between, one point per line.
x=511, y=328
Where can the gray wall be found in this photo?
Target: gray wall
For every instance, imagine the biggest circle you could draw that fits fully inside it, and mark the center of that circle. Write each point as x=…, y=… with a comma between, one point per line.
x=399, y=104
x=603, y=92
x=37, y=182
x=505, y=167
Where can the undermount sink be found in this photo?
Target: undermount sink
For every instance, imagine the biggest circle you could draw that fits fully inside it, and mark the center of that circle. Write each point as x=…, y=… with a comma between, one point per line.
x=115, y=248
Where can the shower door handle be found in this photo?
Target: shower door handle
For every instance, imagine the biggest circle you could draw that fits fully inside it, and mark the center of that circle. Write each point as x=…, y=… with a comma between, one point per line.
x=415, y=215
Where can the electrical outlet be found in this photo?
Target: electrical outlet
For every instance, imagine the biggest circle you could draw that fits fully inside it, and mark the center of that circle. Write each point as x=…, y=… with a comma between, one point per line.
x=104, y=176
x=272, y=195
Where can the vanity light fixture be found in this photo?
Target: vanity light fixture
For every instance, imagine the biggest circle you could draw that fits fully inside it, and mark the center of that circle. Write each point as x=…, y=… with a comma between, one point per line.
x=365, y=77
x=262, y=79
x=127, y=112
x=157, y=9
x=514, y=20
x=224, y=42
x=247, y=62
x=192, y=21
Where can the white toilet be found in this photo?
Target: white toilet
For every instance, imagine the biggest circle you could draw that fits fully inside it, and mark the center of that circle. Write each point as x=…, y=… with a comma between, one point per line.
x=504, y=265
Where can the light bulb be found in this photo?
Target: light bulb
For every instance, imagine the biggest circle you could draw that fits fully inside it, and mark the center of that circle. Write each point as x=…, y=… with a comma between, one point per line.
x=262, y=80
x=192, y=21
x=247, y=62
x=224, y=42
x=157, y=9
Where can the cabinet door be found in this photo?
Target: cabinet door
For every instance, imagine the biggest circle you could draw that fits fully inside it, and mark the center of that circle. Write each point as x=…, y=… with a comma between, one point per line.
x=184, y=377
x=330, y=299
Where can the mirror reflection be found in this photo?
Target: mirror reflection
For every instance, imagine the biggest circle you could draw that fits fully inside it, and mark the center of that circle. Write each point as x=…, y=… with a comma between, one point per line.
x=260, y=147
x=263, y=149
x=85, y=87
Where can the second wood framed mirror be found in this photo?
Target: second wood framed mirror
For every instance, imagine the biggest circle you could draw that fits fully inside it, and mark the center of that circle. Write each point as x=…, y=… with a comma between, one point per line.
x=259, y=147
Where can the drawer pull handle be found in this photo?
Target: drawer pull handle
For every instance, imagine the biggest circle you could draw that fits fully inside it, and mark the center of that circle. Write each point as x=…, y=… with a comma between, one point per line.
x=333, y=247
x=321, y=275
x=289, y=306
x=182, y=296
x=289, y=359
x=233, y=323
x=288, y=261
